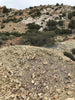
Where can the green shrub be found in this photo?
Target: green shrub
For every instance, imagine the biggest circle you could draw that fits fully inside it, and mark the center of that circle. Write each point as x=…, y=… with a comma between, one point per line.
x=15, y=20
x=5, y=10
x=35, y=13
x=73, y=51
x=47, y=13
x=1, y=42
x=36, y=38
x=63, y=14
x=69, y=55
x=2, y=26
x=57, y=4
x=60, y=23
x=72, y=24
x=63, y=31
x=51, y=25
x=33, y=26
x=30, y=7
x=4, y=37
x=70, y=15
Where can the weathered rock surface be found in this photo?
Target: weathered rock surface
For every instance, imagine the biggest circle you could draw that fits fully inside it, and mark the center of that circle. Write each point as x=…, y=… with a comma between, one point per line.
x=33, y=73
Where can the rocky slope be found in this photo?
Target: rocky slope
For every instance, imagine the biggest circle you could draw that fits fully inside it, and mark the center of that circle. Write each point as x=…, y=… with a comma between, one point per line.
x=33, y=73
x=64, y=46
x=39, y=15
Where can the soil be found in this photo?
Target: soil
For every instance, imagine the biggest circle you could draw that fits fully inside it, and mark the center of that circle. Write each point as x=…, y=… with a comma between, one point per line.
x=35, y=73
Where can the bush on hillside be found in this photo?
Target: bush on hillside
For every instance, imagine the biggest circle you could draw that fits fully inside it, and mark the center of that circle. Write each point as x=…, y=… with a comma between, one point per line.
x=35, y=13
x=57, y=4
x=36, y=38
x=70, y=15
x=69, y=55
x=60, y=23
x=63, y=31
x=15, y=20
x=1, y=42
x=73, y=51
x=51, y=25
x=33, y=26
x=5, y=10
x=72, y=24
x=4, y=37
x=2, y=26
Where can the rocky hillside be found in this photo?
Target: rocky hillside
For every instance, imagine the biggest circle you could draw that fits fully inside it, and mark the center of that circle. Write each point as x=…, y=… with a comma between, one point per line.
x=49, y=24
x=33, y=73
x=12, y=20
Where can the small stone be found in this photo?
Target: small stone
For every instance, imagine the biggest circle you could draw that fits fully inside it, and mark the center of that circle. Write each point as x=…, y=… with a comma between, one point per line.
x=56, y=96
x=1, y=63
x=70, y=99
x=69, y=93
x=32, y=81
x=58, y=90
x=69, y=75
x=45, y=62
x=33, y=75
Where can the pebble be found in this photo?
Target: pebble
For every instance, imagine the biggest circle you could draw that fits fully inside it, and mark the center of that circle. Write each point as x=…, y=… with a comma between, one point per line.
x=70, y=99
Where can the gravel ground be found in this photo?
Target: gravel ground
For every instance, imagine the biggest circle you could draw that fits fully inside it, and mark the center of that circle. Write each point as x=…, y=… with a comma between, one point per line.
x=33, y=73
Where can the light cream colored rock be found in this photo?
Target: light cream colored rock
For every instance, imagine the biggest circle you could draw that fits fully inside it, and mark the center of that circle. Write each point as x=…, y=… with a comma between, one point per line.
x=70, y=99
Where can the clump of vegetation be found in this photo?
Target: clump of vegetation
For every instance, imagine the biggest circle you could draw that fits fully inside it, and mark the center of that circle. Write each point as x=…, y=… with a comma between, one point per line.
x=60, y=23
x=1, y=42
x=30, y=7
x=70, y=15
x=33, y=26
x=63, y=31
x=18, y=13
x=51, y=25
x=69, y=55
x=35, y=13
x=5, y=10
x=63, y=14
x=47, y=13
x=57, y=4
x=15, y=20
x=2, y=26
x=4, y=37
x=72, y=24
x=73, y=51
x=36, y=38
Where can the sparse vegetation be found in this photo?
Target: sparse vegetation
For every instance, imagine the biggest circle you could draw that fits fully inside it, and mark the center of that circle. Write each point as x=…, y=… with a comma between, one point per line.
x=1, y=42
x=72, y=24
x=33, y=26
x=5, y=10
x=69, y=55
x=39, y=38
x=51, y=25
x=73, y=51
x=63, y=31
x=2, y=26
x=70, y=15
x=35, y=13
x=15, y=20
x=60, y=23
x=57, y=4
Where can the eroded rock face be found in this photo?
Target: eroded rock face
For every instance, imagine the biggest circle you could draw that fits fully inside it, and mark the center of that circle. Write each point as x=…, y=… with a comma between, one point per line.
x=33, y=73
